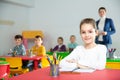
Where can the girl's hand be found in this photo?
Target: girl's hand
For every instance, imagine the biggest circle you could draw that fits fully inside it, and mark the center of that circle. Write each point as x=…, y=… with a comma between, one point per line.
x=72, y=61
x=83, y=67
x=80, y=66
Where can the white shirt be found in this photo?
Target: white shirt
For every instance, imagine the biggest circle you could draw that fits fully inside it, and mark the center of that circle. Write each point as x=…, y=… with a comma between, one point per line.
x=101, y=27
x=94, y=57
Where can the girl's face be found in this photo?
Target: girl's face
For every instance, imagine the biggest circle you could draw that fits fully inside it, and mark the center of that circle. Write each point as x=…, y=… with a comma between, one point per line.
x=102, y=13
x=88, y=33
x=60, y=41
x=18, y=41
x=38, y=41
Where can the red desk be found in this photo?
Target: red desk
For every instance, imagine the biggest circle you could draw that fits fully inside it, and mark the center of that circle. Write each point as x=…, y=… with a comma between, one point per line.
x=34, y=58
x=43, y=74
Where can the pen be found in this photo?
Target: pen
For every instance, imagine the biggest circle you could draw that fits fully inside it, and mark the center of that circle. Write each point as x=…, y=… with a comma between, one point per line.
x=54, y=57
x=49, y=60
x=114, y=50
x=75, y=69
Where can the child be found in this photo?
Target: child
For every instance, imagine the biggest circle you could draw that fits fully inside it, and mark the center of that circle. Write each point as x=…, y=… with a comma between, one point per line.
x=38, y=50
x=60, y=47
x=90, y=55
x=72, y=43
x=19, y=49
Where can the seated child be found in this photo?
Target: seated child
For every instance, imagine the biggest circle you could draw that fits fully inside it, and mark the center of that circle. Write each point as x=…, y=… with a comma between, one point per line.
x=38, y=50
x=19, y=49
x=60, y=47
x=72, y=43
x=87, y=56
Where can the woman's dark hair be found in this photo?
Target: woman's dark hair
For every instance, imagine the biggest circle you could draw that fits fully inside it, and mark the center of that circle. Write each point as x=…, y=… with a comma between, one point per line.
x=102, y=8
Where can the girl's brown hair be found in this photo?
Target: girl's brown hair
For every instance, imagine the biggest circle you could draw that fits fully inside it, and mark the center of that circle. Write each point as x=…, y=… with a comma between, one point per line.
x=88, y=21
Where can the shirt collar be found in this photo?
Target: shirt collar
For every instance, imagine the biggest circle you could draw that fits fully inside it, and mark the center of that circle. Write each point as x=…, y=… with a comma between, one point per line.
x=19, y=45
x=103, y=18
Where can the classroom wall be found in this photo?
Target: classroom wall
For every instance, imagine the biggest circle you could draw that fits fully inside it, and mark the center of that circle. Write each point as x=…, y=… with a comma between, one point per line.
x=13, y=20
x=62, y=18
x=54, y=17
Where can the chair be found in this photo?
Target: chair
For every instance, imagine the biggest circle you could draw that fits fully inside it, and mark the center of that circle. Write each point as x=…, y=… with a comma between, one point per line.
x=16, y=65
x=30, y=34
x=2, y=59
x=44, y=62
x=4, y=70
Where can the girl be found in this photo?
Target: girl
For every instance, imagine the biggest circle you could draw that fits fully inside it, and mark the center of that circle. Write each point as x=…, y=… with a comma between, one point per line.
x=90, y=55
x=60, y=47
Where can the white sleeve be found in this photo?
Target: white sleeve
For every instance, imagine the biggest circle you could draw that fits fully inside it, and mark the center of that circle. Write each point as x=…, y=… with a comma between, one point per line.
x=101, y=61
x=72, y=55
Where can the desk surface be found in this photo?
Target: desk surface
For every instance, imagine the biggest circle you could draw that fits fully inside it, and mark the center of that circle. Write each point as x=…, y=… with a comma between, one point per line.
x=43, y=74
x=26, y=57
x=31, y=58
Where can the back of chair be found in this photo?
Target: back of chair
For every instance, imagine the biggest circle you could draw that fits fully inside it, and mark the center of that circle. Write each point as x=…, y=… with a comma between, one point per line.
x=16, y=65
x=44, y=62
x=14, y=62
x=4, y=70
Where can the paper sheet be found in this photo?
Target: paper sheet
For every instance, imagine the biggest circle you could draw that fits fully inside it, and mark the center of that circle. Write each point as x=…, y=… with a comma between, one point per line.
x=84, y=70
x=77, y=70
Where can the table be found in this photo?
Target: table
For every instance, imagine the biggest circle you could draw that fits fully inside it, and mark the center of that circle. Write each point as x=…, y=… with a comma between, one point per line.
x=113, y=63
x=43, y=74
x=34, y=58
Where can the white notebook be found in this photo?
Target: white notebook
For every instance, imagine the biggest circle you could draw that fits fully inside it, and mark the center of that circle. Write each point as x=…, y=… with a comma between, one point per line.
x=76, y=70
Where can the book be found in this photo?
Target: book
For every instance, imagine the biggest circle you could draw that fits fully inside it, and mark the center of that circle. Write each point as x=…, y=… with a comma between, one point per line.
x=76, y=70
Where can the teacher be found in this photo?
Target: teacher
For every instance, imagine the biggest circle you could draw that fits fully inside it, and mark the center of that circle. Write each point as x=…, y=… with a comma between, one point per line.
x=105, y=28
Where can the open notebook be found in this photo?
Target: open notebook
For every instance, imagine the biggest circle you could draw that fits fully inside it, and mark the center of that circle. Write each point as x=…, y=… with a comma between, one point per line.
x=76, y=70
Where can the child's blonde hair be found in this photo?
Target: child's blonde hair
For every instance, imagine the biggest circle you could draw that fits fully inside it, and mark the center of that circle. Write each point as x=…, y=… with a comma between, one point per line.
x=72, y=36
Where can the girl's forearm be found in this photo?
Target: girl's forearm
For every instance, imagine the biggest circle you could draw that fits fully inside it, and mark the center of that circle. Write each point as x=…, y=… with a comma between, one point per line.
x=83, y=67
